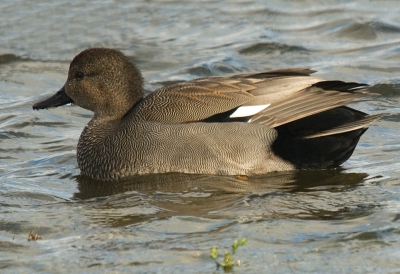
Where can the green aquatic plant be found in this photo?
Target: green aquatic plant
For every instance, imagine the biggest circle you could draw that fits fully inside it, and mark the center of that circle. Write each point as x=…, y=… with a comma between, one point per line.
x=228, y=263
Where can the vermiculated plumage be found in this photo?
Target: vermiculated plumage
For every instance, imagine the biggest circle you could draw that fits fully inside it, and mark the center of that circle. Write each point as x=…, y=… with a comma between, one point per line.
x=242, y=124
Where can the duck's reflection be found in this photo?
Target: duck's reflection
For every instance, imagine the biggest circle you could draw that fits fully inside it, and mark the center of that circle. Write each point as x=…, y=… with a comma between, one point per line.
x=298, y=194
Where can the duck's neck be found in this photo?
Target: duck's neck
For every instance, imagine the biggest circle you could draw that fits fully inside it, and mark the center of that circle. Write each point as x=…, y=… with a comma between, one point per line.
x=92, y=145
x=98, y=129
x=100, y=139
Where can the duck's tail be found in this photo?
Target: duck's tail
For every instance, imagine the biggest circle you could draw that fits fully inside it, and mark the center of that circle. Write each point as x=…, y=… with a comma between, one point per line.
x=323, y=140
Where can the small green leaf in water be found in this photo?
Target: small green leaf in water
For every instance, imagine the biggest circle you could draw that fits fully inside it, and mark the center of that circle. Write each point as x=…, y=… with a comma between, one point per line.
x=228, y=262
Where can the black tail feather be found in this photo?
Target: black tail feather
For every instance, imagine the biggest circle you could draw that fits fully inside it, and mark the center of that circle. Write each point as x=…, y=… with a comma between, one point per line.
x=340, y=86
x=324, y=152
x=321, y=152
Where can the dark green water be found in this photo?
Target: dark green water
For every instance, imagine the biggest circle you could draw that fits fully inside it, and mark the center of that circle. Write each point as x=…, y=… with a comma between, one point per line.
x=340, y=221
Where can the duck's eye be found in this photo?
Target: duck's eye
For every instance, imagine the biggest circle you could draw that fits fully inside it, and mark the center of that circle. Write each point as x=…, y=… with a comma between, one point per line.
x=79, y=75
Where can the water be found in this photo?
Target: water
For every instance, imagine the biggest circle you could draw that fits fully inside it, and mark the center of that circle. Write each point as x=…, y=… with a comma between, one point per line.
x=340, y=221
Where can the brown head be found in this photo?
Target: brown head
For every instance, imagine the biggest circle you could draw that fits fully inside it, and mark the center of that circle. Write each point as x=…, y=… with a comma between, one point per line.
x=101, y=80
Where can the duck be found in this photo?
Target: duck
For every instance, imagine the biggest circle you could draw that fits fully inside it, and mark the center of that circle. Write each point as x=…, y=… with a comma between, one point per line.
x=239, y=125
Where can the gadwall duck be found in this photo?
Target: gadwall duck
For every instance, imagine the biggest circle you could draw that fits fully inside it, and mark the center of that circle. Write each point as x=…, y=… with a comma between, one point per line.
x=243, y=124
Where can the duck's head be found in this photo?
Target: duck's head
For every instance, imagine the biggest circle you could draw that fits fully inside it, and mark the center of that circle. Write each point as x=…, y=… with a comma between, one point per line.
x=101, y=80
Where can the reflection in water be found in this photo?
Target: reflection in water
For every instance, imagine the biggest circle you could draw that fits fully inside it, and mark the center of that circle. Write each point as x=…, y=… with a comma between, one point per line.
x=295, y=194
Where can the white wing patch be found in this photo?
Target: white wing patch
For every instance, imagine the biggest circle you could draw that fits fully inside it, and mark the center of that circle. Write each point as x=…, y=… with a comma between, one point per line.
x=246, y=111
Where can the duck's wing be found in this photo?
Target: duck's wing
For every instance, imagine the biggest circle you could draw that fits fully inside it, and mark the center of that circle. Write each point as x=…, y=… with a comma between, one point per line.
x=219, y=99
x=317, y=98
x=319, y=110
